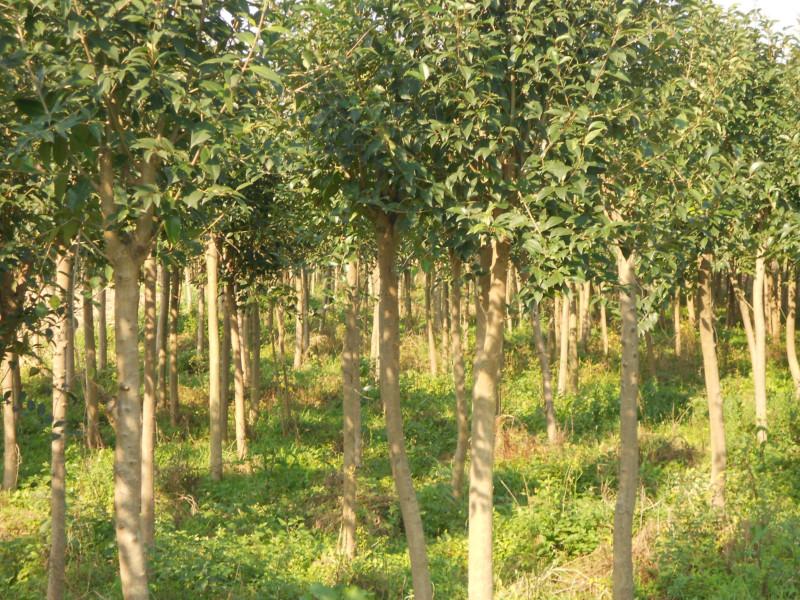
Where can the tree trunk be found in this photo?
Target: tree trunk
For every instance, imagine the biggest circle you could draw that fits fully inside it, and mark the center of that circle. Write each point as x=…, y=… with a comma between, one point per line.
x=459, y=377
x=676, y=321
x=201, y=320
x=255, y=363
x=299, y=327
x=375, y=339
x=10, y=448
x=187, y=287
x=433, y=367
x=102, y=332
x=228, y=316
x=174, y=315
x=446, y=322
x=386, y=238
x=488, y=361
x=760, y=364
x=352, y=411
x=572, y=356
x=58, y=497
x=408, y=317
x=711, y=371
x=162, y=329
x=691, y=311
x=744, y=309
x=149, y=404
x=128, y=451
x=93, y=439
x=791, y=324
x=286, y=408
x=307, y=293
x=238, y=374
x=214, y=391
x=563, y=360
x=70, y=324
x=584, y=320
x=622, y=575
x=604, y=327
x=547, y=378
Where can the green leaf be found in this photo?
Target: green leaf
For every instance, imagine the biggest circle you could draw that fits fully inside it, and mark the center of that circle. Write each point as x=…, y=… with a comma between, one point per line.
x=266, y=73
x=172, y=225
x=199, y=136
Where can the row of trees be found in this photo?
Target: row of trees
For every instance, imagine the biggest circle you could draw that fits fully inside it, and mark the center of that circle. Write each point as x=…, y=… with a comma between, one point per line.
x=636, y=148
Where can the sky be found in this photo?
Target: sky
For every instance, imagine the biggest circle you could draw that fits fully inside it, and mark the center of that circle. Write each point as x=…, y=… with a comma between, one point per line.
x=785, y=12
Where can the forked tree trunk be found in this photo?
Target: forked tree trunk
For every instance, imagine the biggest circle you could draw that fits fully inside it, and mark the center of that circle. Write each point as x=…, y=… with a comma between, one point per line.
x=572, y=355
x=459, y=378
x=58, y=498
x=10, y=448
x=547, y=378
x=791, y=326
x=201, y=321
x=432, y=361
x=386, y=238
x=622, y=575
x=128, y=451
x=708, y=347
x=760, y=364
x=238, y=374
x=174, y=315
x=93, y=439
x=149, y=404
x=352, y=411
x=676, y=321
x=162, y=330
x=488, y=362
x=102, y=331
x=214, y=391
x=563, y=357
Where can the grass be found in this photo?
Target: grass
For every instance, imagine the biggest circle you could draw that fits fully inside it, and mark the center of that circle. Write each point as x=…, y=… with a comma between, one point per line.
x=269, y=529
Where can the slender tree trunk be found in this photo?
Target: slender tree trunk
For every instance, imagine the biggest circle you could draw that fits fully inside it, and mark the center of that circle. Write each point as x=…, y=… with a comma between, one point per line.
x=446, y=322
x=286, y=408
x=201, y=321
x=791, y=325
x=547, y=378
x=386, y=238
x=563, y=361
x=691, y=311
x=409, y=315
x=711, y=371
x=760, y=365
x=255, y=363
x=773, y=293
x=127, y=451
x=93, y=439
x=375, y=339
x=629, y=444
x=214, y=391
x=102, y=332
x=10, y=448
x=70, y=324
x=557, y=321
x=238, y=374
x=299, y=328
x=676, y=321
x=58, y=498
x=432, y=363
x=187, y=294
x=584, y=321
x=308, y=291
x=352, y=411
x=459, y=378
x=162, y=329
x=174, y=315
x=604, y=327
x=484, y=403
x=243, y=316
x=572, y=356
x=228, y=316
x=744, y=309
x=149, y=405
